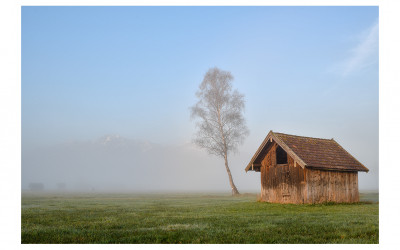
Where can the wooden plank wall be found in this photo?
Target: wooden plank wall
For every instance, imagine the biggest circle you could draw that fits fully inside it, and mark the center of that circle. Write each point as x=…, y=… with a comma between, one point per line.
x=289, y=183
x=283, y=183
x=326, y=186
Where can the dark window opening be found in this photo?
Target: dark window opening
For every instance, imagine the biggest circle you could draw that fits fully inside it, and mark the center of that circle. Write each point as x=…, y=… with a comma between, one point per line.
x=281, y=156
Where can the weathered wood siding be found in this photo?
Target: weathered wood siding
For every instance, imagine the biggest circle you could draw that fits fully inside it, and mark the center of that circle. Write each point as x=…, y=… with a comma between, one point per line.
x=325, y=186
x=290, y=183
x=282, y=183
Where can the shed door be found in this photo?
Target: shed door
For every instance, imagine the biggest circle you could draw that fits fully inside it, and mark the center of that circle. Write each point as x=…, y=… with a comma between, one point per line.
x=285, y=182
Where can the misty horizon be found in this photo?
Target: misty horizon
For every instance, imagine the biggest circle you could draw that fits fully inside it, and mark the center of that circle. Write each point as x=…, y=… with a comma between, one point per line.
x=128, y=154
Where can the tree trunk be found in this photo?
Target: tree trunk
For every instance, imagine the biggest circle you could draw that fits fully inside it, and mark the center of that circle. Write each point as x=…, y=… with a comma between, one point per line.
x=234, y=189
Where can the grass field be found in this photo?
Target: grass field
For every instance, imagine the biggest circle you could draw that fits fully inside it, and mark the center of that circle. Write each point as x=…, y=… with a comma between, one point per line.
x=192, y=218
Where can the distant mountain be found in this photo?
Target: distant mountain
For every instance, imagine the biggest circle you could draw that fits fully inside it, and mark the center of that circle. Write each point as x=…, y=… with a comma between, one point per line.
x=120, y=142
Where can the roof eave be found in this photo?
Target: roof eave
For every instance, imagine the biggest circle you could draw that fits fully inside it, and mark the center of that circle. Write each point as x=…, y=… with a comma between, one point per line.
x=258, y=151
x=365, y=168
x=337, y=169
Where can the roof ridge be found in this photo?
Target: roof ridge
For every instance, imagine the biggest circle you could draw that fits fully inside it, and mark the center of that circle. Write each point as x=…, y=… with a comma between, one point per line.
x=305, y=136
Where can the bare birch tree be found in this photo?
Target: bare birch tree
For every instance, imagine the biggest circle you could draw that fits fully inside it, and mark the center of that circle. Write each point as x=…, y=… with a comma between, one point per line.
x=221, y=127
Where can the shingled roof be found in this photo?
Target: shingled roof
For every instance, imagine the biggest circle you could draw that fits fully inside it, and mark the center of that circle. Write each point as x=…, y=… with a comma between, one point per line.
x=309, y=152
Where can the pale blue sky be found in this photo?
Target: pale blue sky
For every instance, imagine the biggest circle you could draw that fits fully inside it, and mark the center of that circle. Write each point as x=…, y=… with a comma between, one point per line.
x=134, y=71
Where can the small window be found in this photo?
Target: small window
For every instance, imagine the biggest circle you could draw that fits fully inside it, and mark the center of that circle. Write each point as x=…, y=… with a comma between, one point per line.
x=281, y=156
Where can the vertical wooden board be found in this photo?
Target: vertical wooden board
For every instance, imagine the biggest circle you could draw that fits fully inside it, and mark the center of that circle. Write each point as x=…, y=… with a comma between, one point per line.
x=290, y=182
x=356, y=188
x=265, y=184
x=323, y=193
x=296, y=182
x=273, y=155
x=311, y=185
x=332, y=186
x=338, y=191
x=355, y=175
x=355, y=193
x=262, y=179
x=305, y=186
x=322, y=189
x=329, y=186
x=271, y=183
x=341, y=190
x=308, y=184
x=329, y=191
x=265, y=178
x=317, y=187
x=350, y=186
x=269, y=159
x=326, y=186
x=347, y=184
x=345, y=187
x=337, y=186
x=272, y=176
x=298, y=185
x=279, y=189
x=344, y=183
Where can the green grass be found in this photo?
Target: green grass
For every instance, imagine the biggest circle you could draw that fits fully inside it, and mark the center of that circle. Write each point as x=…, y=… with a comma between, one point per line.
x=192, y=218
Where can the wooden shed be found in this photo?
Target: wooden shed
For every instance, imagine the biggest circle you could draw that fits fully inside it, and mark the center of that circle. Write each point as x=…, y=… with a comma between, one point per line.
x=297, y=169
